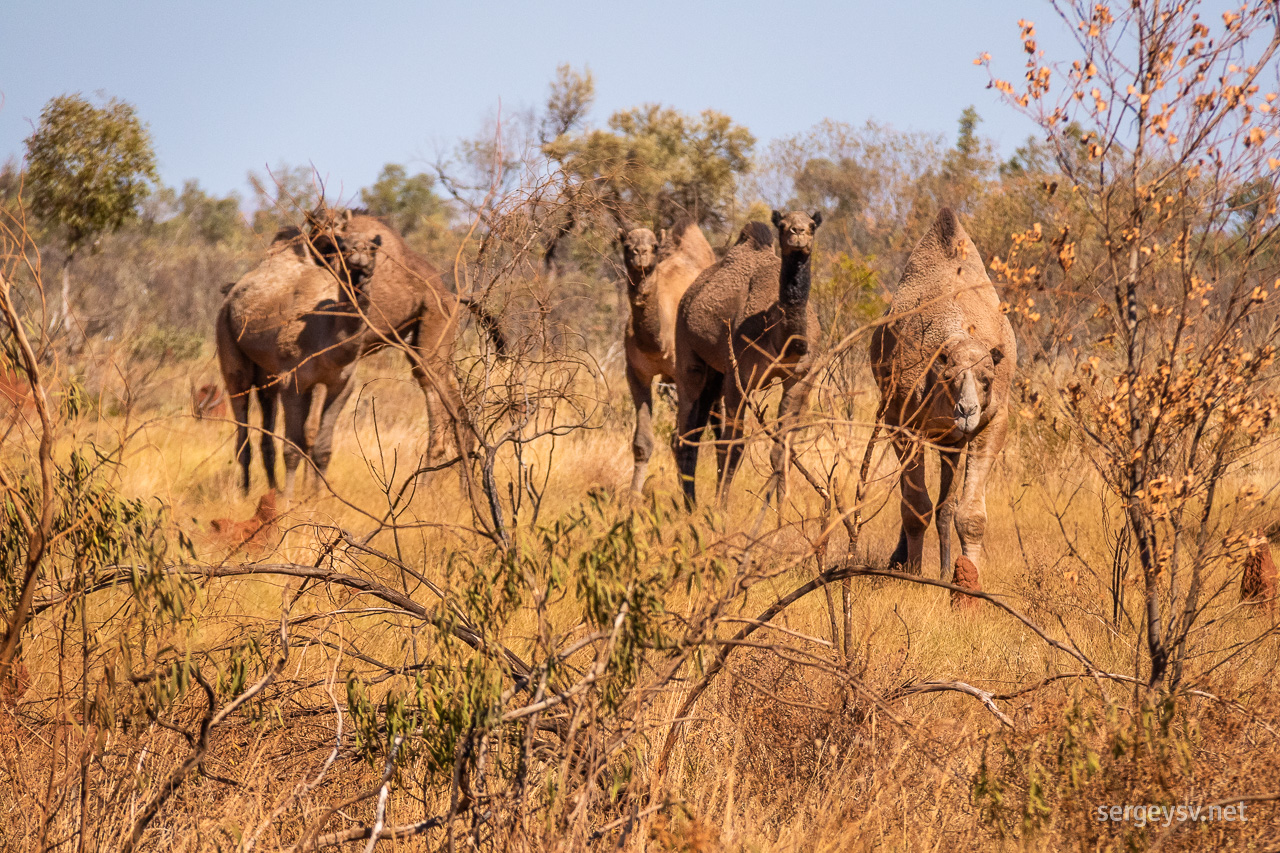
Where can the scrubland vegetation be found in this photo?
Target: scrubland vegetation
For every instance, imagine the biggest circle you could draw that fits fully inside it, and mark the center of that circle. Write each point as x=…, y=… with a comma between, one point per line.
x=514, y=653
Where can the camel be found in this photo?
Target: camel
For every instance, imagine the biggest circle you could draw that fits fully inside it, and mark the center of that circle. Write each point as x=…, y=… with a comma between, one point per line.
x=747, y=318
x=291, y=325
x=275, y=333
x=944, y=359
x=659, y=271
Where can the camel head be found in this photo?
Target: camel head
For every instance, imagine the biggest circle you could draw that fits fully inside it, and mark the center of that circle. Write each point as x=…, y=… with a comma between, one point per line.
x=639, y=252
x=796, y=230
x=359, y=257
x=962, y=373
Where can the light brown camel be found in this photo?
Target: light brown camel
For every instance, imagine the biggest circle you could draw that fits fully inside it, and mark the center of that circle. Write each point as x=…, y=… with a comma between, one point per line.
x=280, y=333
x=747, y=318
x=944, y=361
x=290, y=325
x=659, y=271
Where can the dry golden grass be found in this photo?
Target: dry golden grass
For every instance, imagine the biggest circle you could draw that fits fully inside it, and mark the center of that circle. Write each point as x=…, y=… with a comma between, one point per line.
x=790, y=749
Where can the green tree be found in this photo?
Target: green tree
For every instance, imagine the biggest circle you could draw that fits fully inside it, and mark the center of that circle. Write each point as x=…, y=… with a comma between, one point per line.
x=214, y=219
x=656, y=164
x=88, y=168
x=570, y=99
x=967, y=167
x=407, y=202
x=283, y=190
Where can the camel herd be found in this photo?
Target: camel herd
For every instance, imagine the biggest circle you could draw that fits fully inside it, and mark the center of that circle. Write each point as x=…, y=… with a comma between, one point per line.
x=943, y=356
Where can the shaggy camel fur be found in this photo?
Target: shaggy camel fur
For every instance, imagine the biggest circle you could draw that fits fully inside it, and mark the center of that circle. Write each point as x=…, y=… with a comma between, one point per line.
x=944, y=362
x=747, y=318
x=290, y=326
x=659, y=271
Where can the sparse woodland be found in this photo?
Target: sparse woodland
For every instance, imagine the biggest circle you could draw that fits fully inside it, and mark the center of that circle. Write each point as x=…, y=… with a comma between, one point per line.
x=510, y=651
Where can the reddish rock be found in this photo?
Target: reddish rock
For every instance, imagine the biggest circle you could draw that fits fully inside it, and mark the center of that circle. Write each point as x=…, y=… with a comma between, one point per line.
x=252, y=533
x=15, y=685
x=966, y=577
x=209, y=401
x=1258, y=581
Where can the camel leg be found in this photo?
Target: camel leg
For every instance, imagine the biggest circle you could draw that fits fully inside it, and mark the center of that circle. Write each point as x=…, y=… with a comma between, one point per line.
x=795, y=393
x=297, y=406
x=238, y=377
x=948, y=498
x=971, y=516
x=335, y=399
x=444, y=408
x=734, y=414
x=695, y=402
x=717, y=430
x=268, y=393
x=240, y=413
x=917, y=509
x=642, y=443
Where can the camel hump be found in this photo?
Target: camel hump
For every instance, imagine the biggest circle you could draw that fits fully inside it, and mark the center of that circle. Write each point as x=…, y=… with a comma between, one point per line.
x=287, y=234
x=759, y=234
x=678, y=230
x=949, y=232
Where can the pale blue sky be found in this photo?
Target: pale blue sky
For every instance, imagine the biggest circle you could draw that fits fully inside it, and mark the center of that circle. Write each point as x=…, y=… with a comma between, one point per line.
x=227, y=87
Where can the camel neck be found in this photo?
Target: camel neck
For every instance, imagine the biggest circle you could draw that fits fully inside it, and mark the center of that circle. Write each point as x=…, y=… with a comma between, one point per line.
x=793, y=283
x=638, y=285
x=349, y=315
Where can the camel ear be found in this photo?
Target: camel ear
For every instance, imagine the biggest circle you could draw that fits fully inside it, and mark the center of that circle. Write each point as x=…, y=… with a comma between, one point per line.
x=622, y=235
x=941, y=359
x=347, y=215
x=777, y=219
x=997, y=355
x=816, y=216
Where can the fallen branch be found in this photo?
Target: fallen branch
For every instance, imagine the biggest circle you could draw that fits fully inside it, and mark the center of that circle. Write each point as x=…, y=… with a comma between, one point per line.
x=982, y=696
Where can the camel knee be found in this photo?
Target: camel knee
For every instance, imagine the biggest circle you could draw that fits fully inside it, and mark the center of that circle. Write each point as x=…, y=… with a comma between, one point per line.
x=292, y=455
x=916, y=518
x=642, y=446
x=971, y=524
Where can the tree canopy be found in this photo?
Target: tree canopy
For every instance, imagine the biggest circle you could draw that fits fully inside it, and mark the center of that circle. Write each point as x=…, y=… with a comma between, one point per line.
x=88, y=167
x=657, y=164
x=405, y=201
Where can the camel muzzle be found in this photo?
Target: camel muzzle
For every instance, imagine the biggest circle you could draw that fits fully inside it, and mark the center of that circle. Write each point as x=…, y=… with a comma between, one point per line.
x=967, y=422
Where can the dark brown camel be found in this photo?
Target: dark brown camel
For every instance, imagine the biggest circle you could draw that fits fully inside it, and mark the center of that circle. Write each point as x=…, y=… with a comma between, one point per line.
x=747, y=318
